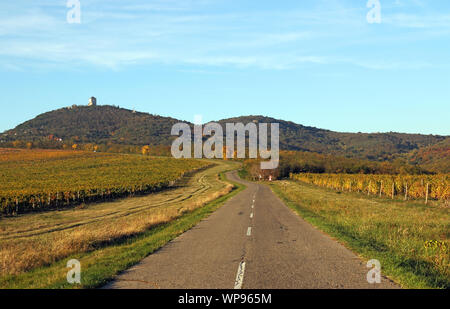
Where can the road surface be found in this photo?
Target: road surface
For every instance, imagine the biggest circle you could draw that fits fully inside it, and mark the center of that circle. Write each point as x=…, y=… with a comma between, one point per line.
x=254, y=241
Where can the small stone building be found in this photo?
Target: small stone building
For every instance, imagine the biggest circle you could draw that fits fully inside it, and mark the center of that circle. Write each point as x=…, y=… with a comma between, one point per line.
x=92, y=101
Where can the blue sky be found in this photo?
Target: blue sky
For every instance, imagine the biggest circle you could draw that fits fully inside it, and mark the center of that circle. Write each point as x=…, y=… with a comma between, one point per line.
x=318, y=63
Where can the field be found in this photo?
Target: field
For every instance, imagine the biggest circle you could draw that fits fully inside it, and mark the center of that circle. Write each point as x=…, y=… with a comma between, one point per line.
x=409, y=238
x=35, y=246
x=407, y=186
x=33, y=180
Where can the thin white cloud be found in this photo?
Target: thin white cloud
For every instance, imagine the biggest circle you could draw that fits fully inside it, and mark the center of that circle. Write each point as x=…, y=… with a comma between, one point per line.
x=415, y=21
x=390, y=65
x=280, y=62
x=175, y=32
x=23, y=24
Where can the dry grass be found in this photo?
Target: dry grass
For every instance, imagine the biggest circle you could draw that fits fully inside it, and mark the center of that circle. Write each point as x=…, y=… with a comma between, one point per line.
x=34, y=240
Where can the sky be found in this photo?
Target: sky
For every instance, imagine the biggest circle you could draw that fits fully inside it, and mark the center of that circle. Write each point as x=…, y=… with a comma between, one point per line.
x=318, y=63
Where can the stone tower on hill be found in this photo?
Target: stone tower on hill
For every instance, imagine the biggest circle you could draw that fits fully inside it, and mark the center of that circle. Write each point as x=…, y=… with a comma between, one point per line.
x=92, y=101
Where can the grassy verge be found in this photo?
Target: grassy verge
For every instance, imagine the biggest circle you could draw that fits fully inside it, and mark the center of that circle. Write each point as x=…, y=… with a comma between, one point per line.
x=101, y=265
x=410, y=239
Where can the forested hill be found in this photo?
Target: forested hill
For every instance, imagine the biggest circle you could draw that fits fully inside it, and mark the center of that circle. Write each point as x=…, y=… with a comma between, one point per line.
x=114, y=125
x=373, y=146
x=96, y=124
x=434, y=158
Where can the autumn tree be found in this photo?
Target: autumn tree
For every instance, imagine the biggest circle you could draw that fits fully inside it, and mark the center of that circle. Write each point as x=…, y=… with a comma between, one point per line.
x=146, y=150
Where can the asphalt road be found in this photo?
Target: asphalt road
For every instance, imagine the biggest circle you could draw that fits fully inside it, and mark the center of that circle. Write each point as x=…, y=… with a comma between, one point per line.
x=254, y=241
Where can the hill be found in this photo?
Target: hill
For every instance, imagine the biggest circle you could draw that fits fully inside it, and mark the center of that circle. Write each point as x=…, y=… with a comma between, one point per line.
x=114, y=125
x=434, y=158
x=95, y=124
x=372, y=146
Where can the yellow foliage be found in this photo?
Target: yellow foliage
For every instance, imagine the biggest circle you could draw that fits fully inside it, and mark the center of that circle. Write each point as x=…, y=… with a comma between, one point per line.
x=39, y=179
x=407, y=186
x=146, y=150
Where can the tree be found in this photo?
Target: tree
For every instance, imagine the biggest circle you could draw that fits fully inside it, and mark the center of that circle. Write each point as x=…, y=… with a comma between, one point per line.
x=17, y=144
x=146, y=150
x=255, y=171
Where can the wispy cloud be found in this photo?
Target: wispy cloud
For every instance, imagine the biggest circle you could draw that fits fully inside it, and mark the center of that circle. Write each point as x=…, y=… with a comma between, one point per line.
x=280, y=62
x=389, y=65
x=437, y=21
x=196, y=33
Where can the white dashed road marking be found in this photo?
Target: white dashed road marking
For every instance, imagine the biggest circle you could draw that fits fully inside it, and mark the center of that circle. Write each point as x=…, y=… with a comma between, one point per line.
x=240, y=276
x=249, y=231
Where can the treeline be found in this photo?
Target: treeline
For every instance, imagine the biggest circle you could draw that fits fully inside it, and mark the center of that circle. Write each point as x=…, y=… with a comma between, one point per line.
x=295, y=162
x=307, y=162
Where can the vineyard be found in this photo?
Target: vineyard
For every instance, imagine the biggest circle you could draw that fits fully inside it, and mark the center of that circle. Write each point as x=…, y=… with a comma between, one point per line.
x=33, y=180
x=425, y=187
